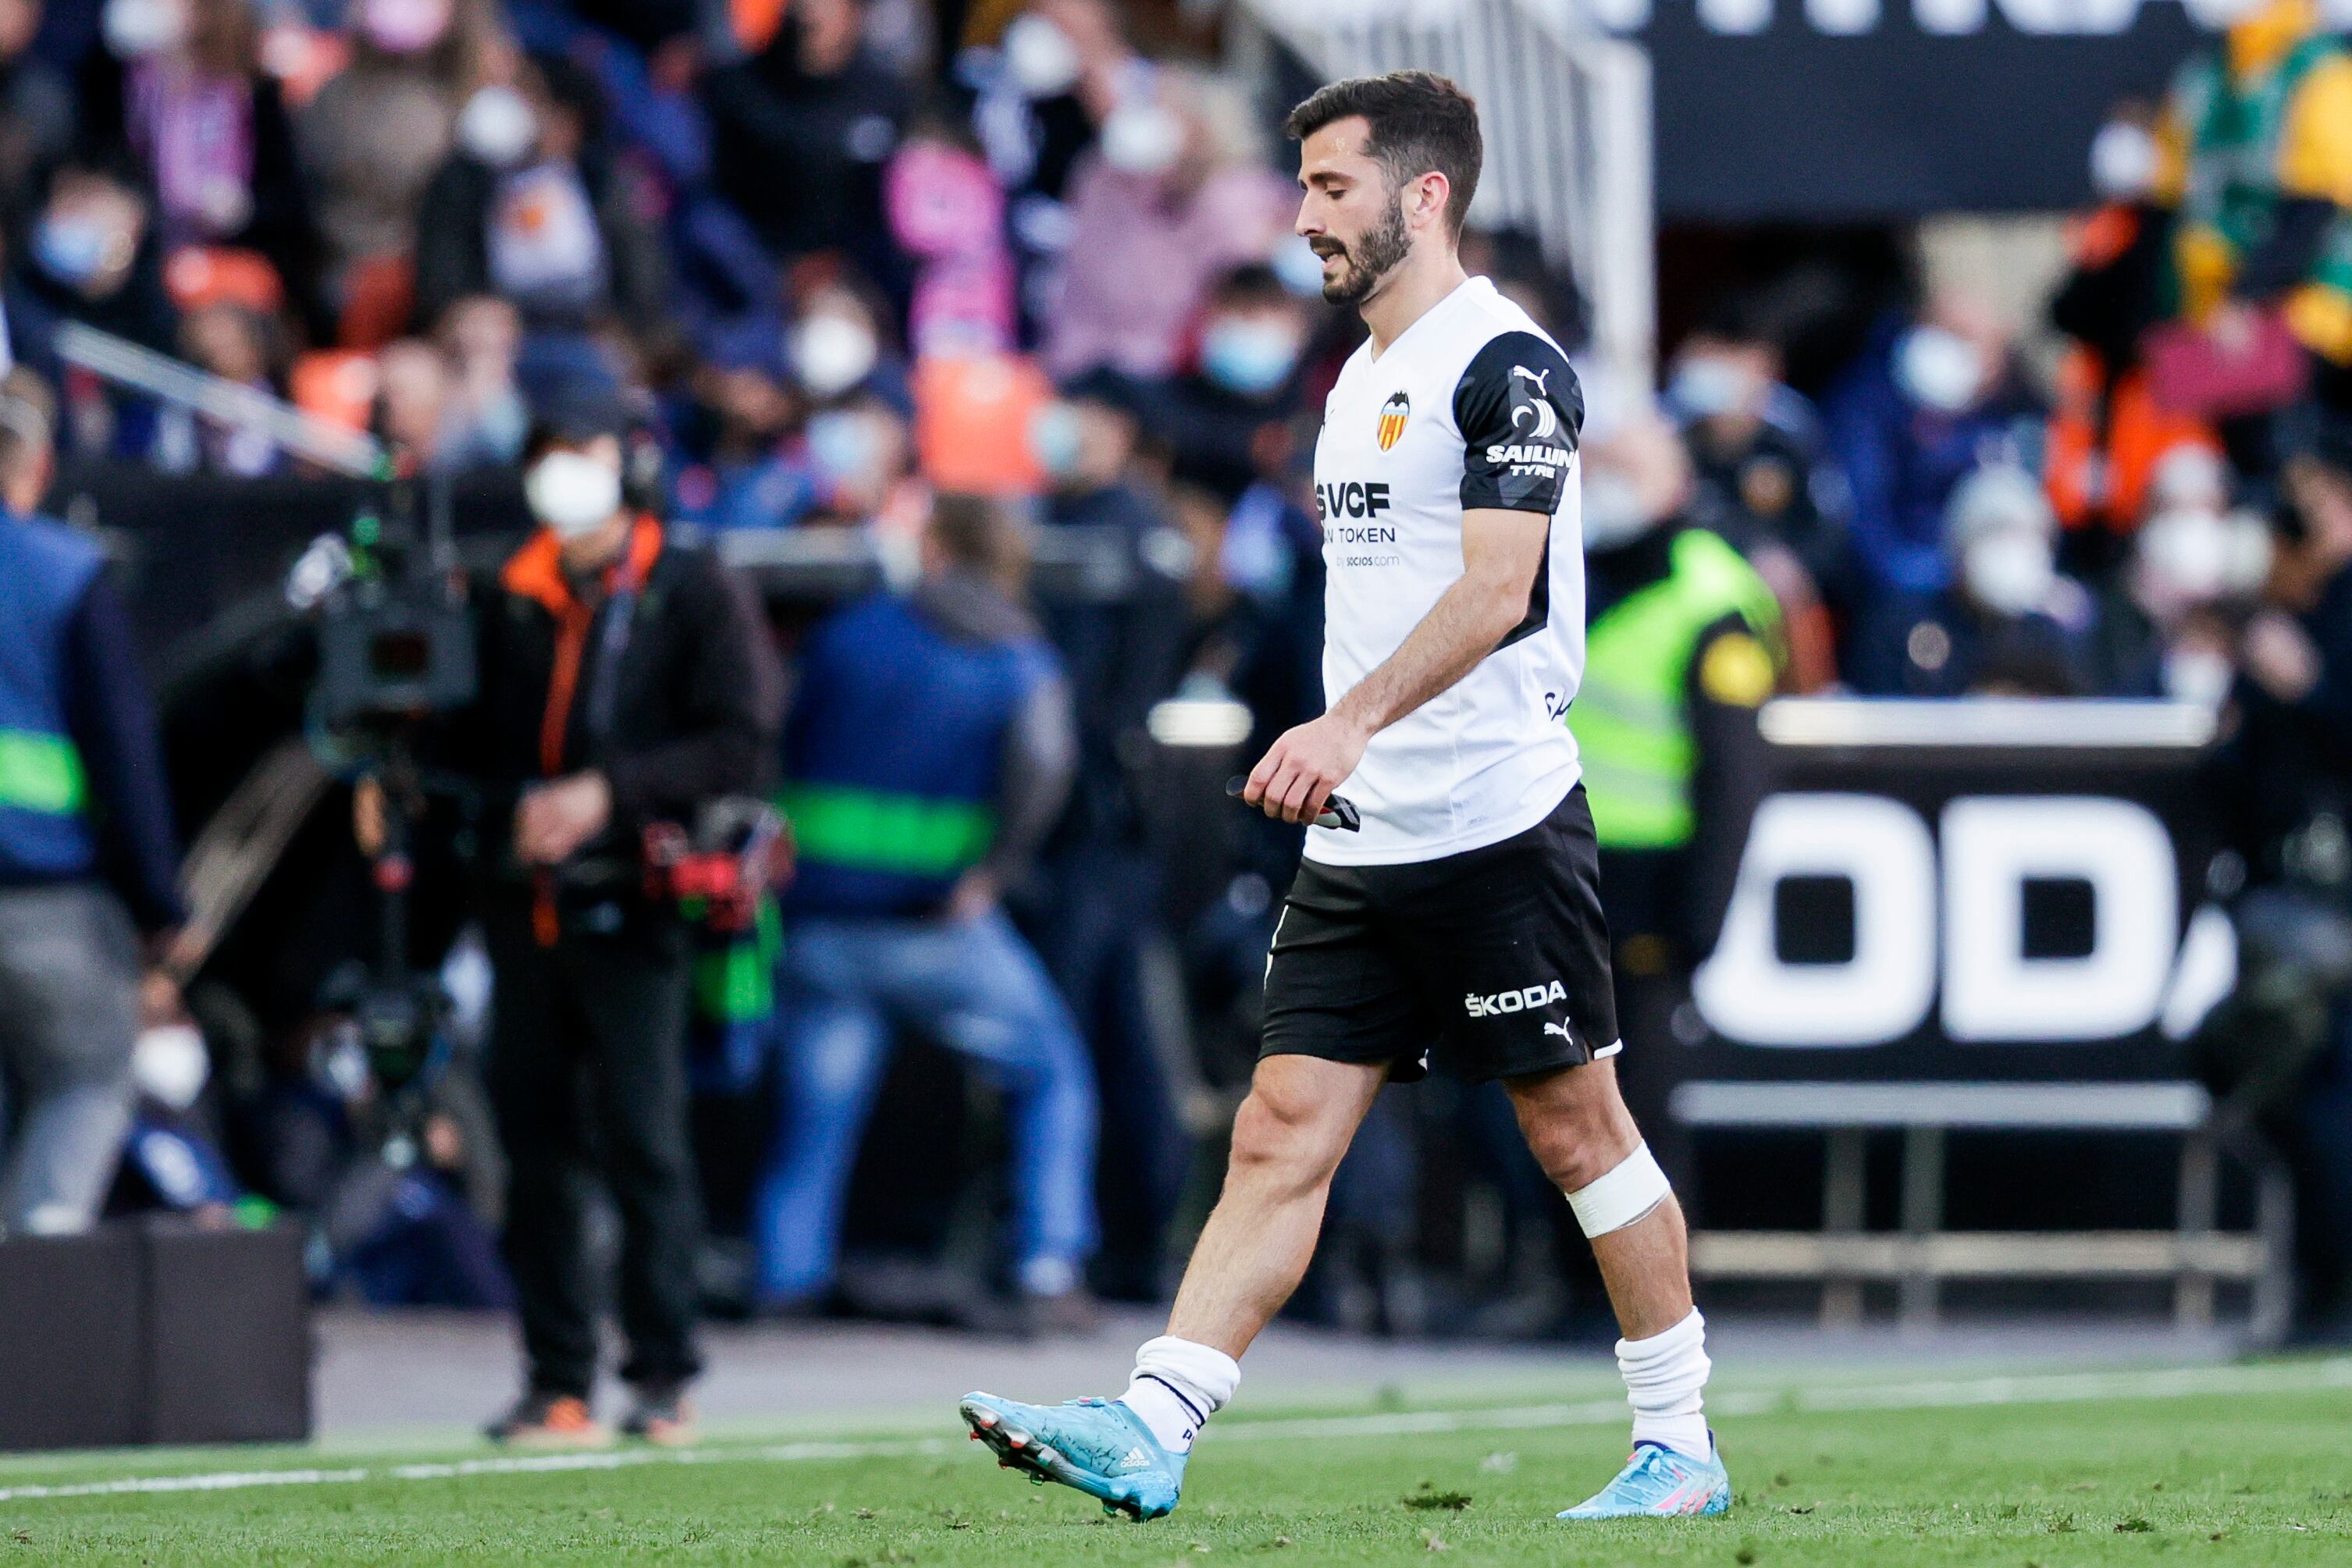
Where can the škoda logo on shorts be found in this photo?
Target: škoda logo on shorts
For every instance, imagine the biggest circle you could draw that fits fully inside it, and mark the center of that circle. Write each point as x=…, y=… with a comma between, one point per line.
x=1518, y=1001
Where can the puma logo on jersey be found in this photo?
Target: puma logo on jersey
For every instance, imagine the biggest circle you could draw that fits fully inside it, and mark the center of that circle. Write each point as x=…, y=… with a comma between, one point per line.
x=1520, y=1000
x=1559, y=1028
x=1539, y=377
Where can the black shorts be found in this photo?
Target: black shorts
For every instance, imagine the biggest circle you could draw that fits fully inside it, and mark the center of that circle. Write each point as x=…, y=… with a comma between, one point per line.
x=1498, y=957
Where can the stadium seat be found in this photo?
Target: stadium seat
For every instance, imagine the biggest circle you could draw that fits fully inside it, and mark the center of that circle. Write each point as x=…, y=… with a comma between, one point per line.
x=337, y=385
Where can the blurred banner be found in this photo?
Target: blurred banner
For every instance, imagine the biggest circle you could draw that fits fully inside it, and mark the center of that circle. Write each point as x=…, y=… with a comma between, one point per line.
x=1842, y=110
x=1995, y=890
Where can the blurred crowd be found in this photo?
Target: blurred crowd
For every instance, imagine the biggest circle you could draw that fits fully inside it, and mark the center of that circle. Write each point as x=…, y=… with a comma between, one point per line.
x=843, y=259
x=835, y=250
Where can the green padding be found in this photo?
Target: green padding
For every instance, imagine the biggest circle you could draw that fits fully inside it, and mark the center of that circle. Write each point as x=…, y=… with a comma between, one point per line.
x=873, y=829
x=737, y=983
x=41, y=773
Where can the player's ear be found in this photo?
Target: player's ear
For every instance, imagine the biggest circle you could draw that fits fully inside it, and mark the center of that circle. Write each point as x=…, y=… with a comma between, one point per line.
x=1431, y=191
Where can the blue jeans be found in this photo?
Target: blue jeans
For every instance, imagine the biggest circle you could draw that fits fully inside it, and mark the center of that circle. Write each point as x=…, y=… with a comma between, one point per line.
x=976, y=987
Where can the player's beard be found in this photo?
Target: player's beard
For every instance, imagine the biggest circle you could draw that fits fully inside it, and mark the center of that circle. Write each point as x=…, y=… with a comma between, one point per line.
x=1371, y=259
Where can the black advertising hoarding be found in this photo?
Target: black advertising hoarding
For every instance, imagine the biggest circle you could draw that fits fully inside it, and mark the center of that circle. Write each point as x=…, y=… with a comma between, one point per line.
x=1968, y=891
x=1798, y=123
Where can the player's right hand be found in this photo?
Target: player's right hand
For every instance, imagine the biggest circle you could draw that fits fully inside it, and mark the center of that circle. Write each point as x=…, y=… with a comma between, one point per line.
x=1301, y=769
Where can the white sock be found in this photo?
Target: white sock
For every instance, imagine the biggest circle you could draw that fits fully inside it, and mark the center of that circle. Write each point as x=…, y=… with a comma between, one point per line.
x=1663, y=1377
x=1177, y=1386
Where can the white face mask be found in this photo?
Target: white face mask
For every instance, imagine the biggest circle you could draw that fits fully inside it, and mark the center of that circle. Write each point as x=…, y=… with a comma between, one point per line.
x=2184, y=558
x=136, y=29
x=830, y=354
x=1612, y=511
x=2199, y=675
x=2009, y=573
x=169, y=1064
x=1141, y=137
x=1039, y=56
x=572, y=492
x=497, y=126
x=2123, y=161
x=1704, y=387
x=1939, y=369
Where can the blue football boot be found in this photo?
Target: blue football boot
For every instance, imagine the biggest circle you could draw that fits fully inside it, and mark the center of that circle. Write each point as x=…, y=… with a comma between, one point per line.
x=1662, y=1483
x=1097, y=1445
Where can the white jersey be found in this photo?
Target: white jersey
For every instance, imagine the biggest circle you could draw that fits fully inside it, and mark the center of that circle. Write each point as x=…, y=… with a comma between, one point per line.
x=1471, y=407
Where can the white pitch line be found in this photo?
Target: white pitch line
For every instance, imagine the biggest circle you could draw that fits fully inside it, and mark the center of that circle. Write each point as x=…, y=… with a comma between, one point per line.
x=2059, y=1388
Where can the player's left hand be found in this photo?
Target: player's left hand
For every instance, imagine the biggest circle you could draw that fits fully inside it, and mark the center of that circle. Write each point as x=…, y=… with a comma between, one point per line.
x=1302, y=768
x=553, y=820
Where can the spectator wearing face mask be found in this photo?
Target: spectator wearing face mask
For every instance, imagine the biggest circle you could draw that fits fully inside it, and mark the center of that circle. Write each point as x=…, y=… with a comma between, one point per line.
x=1042, y=95
x=860, y=459
x=179, y=89
x=1104, y=922
x=1684, y=647
x=374, y=134
x=627, y=680
x=1226, y=418
x=1755, y=450
x=2109, y=431
x=2168, y=620
x=531, y=207
x=802, y=132
x=91, y=257
x=834, y=346
x=1172, y=198
x=1930, y=403
x=2008, y=623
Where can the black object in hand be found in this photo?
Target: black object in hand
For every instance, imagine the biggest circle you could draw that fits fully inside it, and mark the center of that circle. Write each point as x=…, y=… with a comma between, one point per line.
x=1338, y=811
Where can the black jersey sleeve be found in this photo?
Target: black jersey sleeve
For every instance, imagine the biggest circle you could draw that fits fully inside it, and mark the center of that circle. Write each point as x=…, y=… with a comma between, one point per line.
x=1519, y=410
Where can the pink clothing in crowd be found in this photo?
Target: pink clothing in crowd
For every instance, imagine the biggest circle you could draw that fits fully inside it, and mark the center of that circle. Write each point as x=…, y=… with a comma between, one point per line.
x=945, y=208
x=1142, y=255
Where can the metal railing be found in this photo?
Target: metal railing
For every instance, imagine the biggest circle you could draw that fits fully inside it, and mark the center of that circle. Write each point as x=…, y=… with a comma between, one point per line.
x=1565, y=109
x=183, y=385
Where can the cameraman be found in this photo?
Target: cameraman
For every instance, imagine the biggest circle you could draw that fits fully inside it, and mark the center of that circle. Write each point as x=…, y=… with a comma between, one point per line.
x=624, y=681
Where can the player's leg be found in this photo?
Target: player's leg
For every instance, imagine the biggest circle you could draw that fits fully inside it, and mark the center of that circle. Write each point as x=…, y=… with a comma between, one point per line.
x=1288, y=1138
x=1577, y=1126
x=1340, y=1016
x=1515, y=935
x=1576, y=1123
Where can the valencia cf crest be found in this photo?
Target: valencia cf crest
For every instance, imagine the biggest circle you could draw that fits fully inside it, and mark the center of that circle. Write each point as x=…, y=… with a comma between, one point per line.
x=1393, y=414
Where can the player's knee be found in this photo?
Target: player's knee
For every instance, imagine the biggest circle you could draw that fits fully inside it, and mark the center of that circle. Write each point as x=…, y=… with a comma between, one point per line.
x=1578, y=1148
x=1286, y=1138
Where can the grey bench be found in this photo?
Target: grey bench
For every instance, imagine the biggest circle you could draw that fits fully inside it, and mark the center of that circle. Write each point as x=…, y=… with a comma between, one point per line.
x=1921, y=1255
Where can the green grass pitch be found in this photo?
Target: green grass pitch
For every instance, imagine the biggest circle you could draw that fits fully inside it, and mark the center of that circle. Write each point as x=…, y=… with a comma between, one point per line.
x=2230, y=1465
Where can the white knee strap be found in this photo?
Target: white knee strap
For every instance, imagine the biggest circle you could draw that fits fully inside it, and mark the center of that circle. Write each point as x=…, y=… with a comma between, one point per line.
x=1622, y=1196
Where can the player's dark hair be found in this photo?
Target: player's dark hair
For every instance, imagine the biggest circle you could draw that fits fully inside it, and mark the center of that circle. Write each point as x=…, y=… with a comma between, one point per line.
x=1419, y=123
